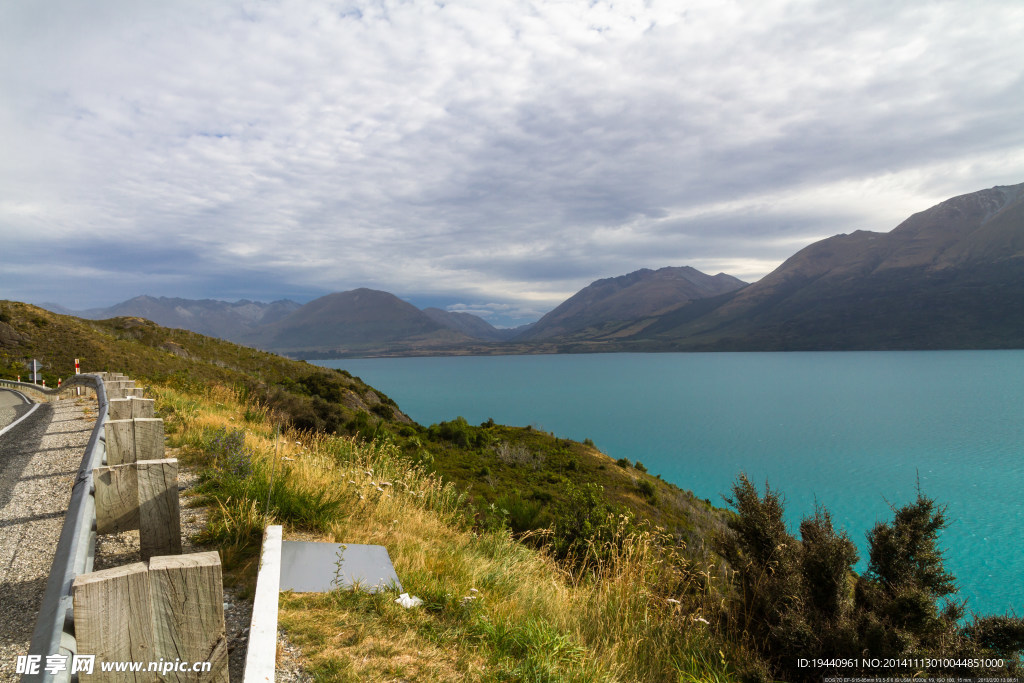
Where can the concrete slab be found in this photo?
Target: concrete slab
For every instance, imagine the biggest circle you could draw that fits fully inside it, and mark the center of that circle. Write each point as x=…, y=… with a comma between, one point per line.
x=321, y=567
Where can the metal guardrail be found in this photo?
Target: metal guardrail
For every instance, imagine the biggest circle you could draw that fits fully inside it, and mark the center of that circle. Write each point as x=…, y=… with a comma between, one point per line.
x=54, y=633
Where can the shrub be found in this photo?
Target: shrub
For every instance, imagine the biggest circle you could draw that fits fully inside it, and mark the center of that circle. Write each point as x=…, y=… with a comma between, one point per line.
x=518, y=454
x=647, y=489
x=230, y=453
x=585, y=528
x=384, y=410
x=801, y=599
x=623, y=463
x=522, y=515
x=457, y=432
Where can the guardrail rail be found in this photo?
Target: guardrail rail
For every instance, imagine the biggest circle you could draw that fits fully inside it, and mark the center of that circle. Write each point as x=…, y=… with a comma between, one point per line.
x=54, y=632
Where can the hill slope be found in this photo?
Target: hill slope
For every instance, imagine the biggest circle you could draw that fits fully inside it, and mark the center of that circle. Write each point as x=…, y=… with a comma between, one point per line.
x=471, y=325
x=612, y=302
x=948, y=277
x=320, y=399
x=223, y=319
x=351, y=320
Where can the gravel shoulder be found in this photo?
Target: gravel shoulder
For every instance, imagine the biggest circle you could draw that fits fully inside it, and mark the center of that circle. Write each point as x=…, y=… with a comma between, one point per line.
x=39, y=459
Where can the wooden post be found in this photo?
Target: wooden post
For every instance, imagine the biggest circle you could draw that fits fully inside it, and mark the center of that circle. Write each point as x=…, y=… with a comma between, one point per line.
x=119, y=409
x=117, y=498
x=120, y=436
x=149, y=438
x=159, y=510
x=113, y=619
x=135, y=439
x=142, y=407
x=188, y=613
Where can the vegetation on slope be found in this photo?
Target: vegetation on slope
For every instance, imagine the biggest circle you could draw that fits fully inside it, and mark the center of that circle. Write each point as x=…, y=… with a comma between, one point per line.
x=538, y=558
x=494, y=609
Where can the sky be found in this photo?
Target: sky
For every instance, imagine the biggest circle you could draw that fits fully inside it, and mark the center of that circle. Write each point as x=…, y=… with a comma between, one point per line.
x=489, y=156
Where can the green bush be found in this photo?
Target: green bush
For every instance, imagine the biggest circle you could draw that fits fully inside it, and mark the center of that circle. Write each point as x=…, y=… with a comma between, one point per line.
x=585, y=528
x=457, y=432
x=801, y=599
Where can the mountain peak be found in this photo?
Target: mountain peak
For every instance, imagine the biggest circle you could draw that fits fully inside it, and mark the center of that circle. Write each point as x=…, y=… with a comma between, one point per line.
x=631, y=297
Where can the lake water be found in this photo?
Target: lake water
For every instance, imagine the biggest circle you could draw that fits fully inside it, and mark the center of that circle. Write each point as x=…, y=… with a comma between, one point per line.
x=853, y=431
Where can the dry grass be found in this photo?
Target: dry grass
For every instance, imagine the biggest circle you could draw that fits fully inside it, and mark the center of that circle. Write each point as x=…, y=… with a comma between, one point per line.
x=494, y=609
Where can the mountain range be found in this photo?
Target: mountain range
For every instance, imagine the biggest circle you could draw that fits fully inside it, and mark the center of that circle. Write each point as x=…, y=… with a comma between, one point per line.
x=948, y=277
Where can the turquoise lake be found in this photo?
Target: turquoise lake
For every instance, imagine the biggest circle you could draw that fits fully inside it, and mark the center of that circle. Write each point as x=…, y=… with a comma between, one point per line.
x=855, y=431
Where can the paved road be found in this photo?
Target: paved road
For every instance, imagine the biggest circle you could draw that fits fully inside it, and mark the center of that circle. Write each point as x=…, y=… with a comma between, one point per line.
x=39, y=460
x=12, y=406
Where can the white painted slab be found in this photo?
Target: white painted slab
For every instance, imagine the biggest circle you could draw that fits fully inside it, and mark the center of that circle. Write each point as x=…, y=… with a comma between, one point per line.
x=321, y=567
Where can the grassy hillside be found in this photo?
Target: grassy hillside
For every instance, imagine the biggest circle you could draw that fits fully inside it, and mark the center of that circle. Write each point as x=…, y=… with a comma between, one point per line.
x=522, y=471
x=537, y=558
x=494, y=609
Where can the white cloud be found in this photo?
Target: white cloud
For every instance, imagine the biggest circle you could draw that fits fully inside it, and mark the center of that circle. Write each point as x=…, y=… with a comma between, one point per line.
x=512, y=150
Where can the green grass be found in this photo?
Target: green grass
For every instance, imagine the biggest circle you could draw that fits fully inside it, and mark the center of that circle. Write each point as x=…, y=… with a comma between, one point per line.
x=494, y=608
x=280, y=441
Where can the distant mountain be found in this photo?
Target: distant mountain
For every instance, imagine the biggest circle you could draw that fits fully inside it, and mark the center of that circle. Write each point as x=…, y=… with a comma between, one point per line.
x=223, y=319
x=348, y=321
x=470, y=325
x=948, y=277
x=624, y=305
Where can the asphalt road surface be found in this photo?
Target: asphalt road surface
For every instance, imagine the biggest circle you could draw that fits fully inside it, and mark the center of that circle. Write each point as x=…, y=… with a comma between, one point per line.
x=12, y=406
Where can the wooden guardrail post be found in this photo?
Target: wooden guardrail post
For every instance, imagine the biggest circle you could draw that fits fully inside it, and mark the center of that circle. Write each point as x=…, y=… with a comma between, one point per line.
x=149, y=438
x=188, y=612
x=141, y=495
x=117, y=498
x=159, y=511
x=120, y=436
x=167, y=612
x=140, y=438
x=113, y=619
x=130, y=407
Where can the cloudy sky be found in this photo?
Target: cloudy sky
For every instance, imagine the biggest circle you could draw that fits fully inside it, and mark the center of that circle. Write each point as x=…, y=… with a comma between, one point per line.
x=484, y=155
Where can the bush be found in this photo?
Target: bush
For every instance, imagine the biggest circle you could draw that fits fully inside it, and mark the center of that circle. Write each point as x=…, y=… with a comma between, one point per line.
x=383, y=410
x=585, y=528
x=623, y=463
x=230, y=453
x=647, y=489
x=802, y=600
x=457, y=432
x=522, y=515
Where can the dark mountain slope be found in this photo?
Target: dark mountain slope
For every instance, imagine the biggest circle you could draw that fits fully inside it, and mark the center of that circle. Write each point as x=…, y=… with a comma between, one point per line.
x=949, y=277
x=612, y=302
x=471, y=325
x=347, y=320
x=211, y=317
